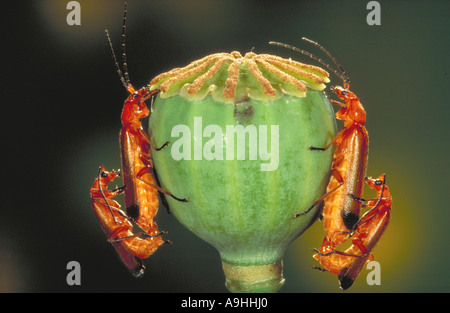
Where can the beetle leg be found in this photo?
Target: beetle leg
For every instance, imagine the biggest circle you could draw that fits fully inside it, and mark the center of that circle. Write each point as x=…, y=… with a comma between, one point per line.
x=334, y=141
x=319, y=268
x=338, y=103
x=340, y=180
x=147, y=170
x=142, y=235
x=144, y=135
x=338, y=253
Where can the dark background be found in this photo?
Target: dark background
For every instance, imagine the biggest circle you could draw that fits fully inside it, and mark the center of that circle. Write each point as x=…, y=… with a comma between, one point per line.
x=61, y=104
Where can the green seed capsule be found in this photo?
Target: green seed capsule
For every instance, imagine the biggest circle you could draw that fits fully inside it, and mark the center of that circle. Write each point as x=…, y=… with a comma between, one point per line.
x=240, y=129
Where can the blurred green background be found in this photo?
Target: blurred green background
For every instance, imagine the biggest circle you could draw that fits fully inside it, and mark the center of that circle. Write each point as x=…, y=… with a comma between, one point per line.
x=61, y=117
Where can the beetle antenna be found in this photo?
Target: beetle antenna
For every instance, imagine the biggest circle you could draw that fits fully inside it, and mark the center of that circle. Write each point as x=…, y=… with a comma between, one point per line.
x=344, y=74
x=374, y=207
x=100, y=172
x=124, y=56
x=119, y=72
x=125, y=79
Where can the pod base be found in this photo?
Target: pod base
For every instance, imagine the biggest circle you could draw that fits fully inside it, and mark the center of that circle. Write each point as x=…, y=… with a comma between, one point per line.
x=264, y=278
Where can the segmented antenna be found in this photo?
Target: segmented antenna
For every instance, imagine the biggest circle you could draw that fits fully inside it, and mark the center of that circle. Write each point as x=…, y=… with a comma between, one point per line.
x=124, y=56
x=124, y=79
x=355, y=226
x=378, y=202
x=342, y=75
x=119, y=72
x=100, y=172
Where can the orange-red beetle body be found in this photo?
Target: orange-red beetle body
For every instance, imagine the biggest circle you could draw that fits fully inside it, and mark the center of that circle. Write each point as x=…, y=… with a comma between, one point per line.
x=141, y=191
x=141, y=195
x=341, y=210
x=369, y=229
x=342, y=200
x=348, y=168
x=117, y=226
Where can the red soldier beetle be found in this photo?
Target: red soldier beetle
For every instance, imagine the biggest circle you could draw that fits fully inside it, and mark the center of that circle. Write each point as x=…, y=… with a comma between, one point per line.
x=141, y=188
x=130, y=247
x=342, y=200
x=365, y=235
x=141, y=194
x=341, y=208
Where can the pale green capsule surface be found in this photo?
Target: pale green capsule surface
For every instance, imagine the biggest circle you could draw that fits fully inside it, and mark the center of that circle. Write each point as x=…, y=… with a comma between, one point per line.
x=244, y=164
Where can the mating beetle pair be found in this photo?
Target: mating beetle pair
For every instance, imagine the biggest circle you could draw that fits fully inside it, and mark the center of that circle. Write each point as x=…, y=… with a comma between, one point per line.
x=342, y=200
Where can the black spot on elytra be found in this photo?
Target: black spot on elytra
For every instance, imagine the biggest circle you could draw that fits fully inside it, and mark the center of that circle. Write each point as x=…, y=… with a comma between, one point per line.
x=349, y=219
x=133, y=212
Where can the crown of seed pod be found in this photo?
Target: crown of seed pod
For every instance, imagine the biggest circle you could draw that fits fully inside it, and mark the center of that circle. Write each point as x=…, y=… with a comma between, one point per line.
x=228, y=77
x=239, y=129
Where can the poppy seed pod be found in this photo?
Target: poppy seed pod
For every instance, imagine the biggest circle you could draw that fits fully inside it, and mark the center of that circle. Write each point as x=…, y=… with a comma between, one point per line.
x=239, y=130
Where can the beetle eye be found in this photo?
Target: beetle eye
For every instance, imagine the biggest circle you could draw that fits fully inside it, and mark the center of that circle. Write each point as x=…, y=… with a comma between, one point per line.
x=378, y=182
x=344, y=93
x=104, y=174
x=135, y=95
